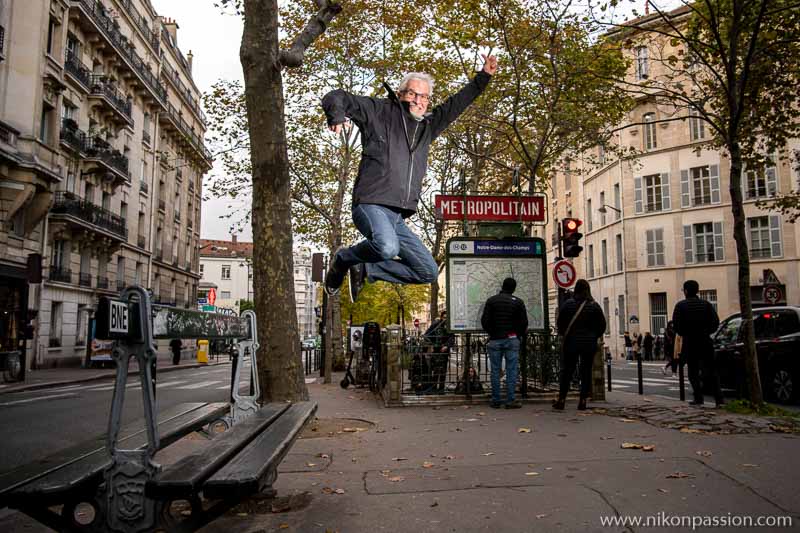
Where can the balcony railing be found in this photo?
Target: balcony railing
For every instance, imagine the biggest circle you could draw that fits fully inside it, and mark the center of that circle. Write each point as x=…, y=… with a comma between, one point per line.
x=143, y=187
x=84, y=279
x=67, y=203
x=98, y=148
x=102, y=282
x=100, y=85
x=141, y=23
x=173, y=76
x=140, y=241
x=77, y=69
x=72, y=136
x=59, y=273
x=190, y=134
x=110, y=28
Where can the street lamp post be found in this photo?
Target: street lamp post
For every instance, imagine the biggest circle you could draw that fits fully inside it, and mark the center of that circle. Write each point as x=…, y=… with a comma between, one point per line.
x=604, y=209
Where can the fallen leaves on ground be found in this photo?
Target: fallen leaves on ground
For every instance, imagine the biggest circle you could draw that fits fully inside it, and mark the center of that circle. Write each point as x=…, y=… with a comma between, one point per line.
x=628, y=420
x=540, y=516
x=690, y=430
x=524, y=430
x=679, y=475
x=531, y=473
x=396, y=479
x=487, y=454
x=749, y=465
x=426, y=464
x=704, y=453
x=637, y=446
x=353, y=430
x=665, y=491
x=283, y=526
x=399, y=458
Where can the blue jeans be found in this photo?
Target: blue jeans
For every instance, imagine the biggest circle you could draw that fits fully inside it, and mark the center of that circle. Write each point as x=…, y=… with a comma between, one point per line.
x=498, y=350
x=387, y=237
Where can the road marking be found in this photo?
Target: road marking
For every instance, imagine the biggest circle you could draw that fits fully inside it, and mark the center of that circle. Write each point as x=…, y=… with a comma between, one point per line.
x=169, y=383
x=29, y=400
x=198, y=385
x=60, y=389
x=615, y=386
x=635, y=382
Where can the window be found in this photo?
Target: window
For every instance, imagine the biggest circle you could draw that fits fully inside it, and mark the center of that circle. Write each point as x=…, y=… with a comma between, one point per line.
x=642, y=66
x=56, y=320
x=701, y=185
x=567, y=177
x=51, y=37
x=139, y=273
x=601, y=153
x=602, y=204
x=58, y=259
x=652, y=186
x=617, y=201
x=88, y=194
x=621, y=313
x=760, y=183
x=46, y=123
x=106, y=201
x=590, y=258
x=658, y=312
x=226, y=272
x=605, y=312
x=765, y=236
x=225, y=295
x=786, y=323
x=619, y=252
x=709, y=295
x=729, y=332
x=80, y=333
x=655, y=247
x=649, y=120
x=202, y=269
x=18, y=223
x=120, y=270
x=70, y=181
x=697, y=126
x=589, y=217
x=704, y=243
x=604, y=255
x=73, y=46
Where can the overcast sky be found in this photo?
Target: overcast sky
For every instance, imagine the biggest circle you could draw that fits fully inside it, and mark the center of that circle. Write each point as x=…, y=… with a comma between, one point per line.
x=214, y=40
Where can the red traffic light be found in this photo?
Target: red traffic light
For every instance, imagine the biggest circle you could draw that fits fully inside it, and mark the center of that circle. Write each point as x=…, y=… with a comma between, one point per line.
x=572, y=224
x=570, y=237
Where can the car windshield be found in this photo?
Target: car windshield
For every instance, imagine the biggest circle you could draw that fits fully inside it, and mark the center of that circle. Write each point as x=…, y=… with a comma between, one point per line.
x=729, y=331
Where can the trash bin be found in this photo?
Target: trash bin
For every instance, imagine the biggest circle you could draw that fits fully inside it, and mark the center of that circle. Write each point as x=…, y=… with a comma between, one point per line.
x=202, y=351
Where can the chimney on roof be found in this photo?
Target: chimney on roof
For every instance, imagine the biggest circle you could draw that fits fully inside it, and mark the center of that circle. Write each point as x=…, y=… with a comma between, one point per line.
x=189, y=58
x=233, y=238
x=172, y=29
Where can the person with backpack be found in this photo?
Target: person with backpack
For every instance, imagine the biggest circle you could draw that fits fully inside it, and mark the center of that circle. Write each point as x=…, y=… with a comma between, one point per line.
x=580, y=323
x=439, y=339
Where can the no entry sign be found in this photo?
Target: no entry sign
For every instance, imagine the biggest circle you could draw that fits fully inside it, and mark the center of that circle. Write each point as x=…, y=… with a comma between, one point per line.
x=564, y=274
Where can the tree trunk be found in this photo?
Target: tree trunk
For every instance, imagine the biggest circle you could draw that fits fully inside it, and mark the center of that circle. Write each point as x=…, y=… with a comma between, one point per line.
x=280, y=365
x=433, y=310
x=745, y=304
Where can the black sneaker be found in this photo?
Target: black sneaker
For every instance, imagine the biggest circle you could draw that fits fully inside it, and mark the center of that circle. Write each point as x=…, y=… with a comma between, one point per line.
x=335, y=277
x=495, y=405
x=358, y=275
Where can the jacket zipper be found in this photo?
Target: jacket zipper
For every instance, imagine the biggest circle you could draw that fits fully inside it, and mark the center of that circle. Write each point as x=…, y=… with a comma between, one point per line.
x=411, y=163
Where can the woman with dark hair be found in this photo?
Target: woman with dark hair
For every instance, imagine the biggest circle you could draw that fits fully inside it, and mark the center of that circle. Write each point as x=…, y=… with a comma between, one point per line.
x=581, y=323
x=669, y=347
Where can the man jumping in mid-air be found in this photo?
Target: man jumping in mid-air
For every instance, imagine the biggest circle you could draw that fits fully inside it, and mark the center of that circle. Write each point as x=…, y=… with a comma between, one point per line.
x=396, y=134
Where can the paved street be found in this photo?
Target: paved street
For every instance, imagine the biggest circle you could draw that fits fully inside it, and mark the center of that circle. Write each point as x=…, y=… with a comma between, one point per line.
x=624, y=378
x=47, y=420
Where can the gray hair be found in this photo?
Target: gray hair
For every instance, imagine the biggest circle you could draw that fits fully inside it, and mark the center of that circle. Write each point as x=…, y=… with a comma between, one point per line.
x=422, y=76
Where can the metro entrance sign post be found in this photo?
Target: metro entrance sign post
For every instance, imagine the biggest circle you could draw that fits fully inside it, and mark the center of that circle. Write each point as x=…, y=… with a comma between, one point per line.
x=492, y=208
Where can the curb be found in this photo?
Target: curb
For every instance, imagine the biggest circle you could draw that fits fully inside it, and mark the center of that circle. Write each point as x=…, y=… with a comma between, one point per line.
x=100, y=377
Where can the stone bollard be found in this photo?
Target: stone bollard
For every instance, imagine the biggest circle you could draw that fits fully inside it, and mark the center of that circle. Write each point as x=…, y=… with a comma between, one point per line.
x=598, y=374
x=393, y=354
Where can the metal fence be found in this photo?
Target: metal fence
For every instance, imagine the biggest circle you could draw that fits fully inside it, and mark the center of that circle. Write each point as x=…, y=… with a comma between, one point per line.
x=427, y=370
x=312, y=358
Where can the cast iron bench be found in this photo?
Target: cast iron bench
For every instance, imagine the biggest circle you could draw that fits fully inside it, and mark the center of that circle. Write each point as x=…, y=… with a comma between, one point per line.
x=115, y=485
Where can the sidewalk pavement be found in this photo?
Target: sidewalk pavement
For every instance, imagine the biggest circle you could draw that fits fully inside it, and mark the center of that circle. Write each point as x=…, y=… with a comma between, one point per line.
x=361, y=467
x=56, y=377
x=365, y=468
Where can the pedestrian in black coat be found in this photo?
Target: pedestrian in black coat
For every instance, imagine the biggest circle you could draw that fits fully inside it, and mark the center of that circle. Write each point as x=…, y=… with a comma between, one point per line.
x=581, y=323
x=695, y=320
x=648, y=346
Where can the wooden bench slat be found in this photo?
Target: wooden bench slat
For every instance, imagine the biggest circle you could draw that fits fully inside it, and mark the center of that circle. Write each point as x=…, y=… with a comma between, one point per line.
x=184, y=478
x=246, y=473
x=79, y=464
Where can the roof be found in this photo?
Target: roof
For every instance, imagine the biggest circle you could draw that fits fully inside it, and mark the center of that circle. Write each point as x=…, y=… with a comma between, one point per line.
x=223, y=249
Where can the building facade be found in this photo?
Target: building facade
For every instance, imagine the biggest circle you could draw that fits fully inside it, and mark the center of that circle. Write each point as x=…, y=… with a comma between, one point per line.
x=654, y=220
x=101, y=162
x=226, y=266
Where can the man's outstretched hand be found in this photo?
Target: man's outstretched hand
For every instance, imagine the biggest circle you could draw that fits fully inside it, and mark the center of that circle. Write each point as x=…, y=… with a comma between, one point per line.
x=337, y=128
x=489, y=64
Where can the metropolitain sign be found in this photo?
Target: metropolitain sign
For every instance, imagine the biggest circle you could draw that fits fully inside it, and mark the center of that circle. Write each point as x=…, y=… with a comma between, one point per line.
x=492, y=208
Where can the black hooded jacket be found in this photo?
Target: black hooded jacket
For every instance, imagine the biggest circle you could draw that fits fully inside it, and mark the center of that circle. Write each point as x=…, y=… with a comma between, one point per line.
x=394, y=145
x=504, y=314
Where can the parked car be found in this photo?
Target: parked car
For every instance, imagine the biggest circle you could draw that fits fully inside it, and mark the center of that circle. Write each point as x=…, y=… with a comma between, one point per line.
x=777, y=331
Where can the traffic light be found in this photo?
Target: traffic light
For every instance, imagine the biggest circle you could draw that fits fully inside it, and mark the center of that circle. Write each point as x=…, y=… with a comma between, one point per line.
x=570, y=237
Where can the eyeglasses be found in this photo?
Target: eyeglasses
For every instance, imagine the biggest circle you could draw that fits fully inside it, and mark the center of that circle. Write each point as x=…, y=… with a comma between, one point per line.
x=414, y=95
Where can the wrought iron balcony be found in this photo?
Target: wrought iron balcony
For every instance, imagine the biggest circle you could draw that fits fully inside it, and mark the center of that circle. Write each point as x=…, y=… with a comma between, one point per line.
x=120, y=284
x=186, y=95
x=174, y=118
x=102, y=282
x=59, y=273
x=84, y=279
x=100, y=86
x=142, y=23
x=72, y=136
x=75, y=68
x=98, y=149
x=89, y=214
x=99, y=16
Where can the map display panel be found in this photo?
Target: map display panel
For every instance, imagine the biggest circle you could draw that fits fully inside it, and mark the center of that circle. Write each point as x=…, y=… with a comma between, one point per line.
x=476, y=269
